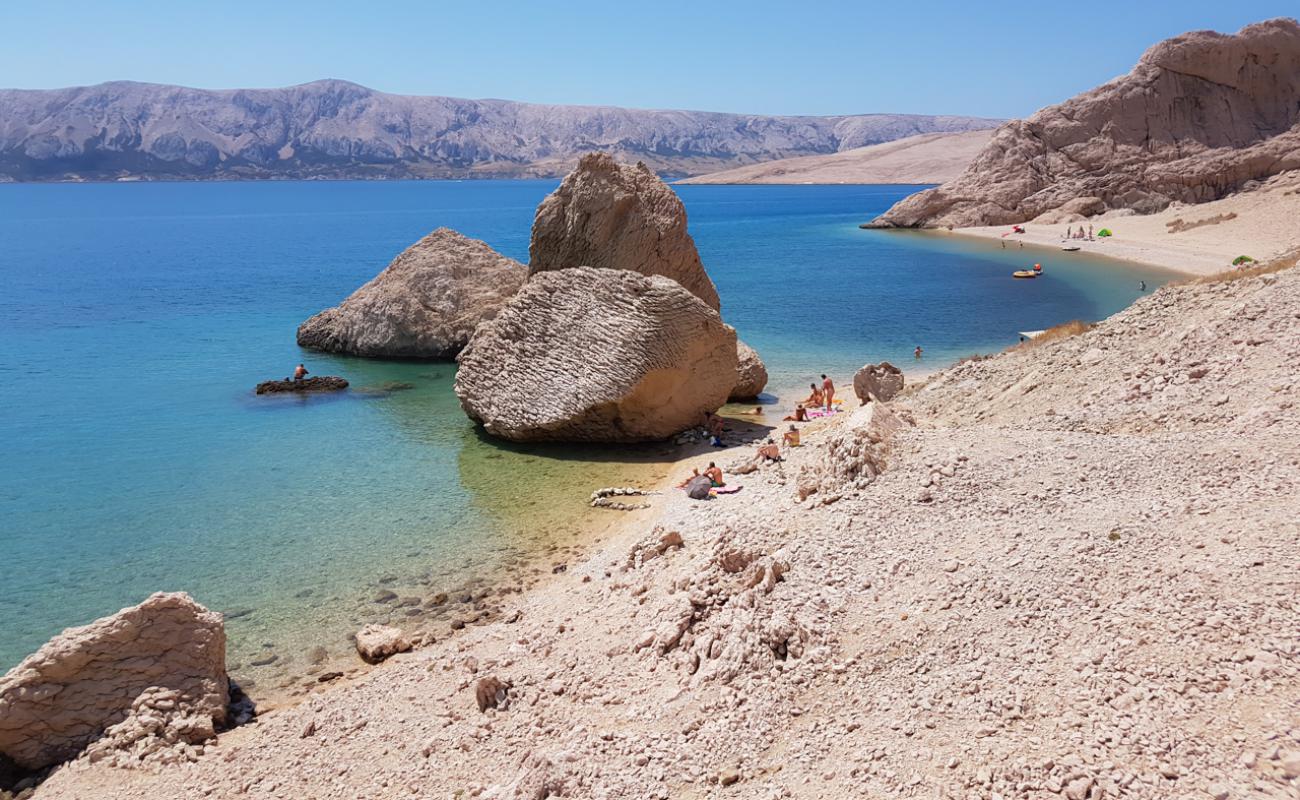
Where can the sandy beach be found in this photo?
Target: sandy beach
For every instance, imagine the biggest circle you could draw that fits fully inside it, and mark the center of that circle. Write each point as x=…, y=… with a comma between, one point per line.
x=1196, y=240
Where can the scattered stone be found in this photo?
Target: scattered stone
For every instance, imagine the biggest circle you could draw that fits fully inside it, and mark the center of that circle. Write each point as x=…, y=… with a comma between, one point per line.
x=377, y=642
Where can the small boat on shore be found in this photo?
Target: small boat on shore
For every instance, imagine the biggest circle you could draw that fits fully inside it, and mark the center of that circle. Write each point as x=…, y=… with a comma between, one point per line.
x=1024, y=273
x=1071, y=248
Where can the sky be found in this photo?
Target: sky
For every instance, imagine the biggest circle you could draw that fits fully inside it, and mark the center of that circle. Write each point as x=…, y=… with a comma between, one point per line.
x=1004, y=59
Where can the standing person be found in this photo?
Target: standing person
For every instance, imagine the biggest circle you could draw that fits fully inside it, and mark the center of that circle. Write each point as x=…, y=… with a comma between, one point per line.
x=1142, y=285
x=299, y=372
x=1067, y=231
x=917, y=353
x=1090, y=233
x=828, y=391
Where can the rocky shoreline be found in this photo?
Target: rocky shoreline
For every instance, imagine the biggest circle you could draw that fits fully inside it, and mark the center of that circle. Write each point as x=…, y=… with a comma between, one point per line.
x=1090, y=600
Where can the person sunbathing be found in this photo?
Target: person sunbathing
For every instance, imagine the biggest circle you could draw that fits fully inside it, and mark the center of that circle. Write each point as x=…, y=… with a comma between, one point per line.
x=770, y=451
x=816, y=398
x=714, y=474
x=800, y=415
x=695, y=473
x=791, y=437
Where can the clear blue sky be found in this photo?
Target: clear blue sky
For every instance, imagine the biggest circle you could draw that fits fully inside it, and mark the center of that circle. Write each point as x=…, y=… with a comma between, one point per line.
x=986, y=59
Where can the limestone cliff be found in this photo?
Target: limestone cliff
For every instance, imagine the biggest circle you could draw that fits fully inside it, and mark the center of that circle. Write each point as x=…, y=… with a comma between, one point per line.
x=1200, y=116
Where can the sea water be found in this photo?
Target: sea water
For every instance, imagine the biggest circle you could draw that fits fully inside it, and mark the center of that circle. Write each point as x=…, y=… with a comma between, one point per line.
x=136, y=318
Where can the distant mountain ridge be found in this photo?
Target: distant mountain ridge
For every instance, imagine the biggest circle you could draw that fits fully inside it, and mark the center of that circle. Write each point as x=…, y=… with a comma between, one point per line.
x=336, y=129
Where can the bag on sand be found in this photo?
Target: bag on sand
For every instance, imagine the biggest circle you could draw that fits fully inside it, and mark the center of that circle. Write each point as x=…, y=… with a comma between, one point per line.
x=698, y=488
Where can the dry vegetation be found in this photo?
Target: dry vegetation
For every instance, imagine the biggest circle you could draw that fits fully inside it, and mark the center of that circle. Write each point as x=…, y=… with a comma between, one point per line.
x=1285, y=261
x=1063, y=331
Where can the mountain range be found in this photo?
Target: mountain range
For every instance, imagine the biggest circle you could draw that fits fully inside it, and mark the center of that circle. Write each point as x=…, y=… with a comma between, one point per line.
x=335, y=129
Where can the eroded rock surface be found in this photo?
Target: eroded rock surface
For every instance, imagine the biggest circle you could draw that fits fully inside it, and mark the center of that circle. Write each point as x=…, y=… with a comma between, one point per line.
x=851, y=457
x=878, y=382
x=1200, y=116
x=606, y=214
x=751, y=374
x=90, y=679
x=425, y=304
x=597, y=355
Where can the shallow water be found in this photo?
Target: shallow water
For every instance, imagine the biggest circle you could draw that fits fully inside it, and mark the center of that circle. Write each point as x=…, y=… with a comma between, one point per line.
x=135, y=319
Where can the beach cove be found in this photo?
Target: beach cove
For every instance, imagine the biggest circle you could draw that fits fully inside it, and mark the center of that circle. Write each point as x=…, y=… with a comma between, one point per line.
x=153, y=466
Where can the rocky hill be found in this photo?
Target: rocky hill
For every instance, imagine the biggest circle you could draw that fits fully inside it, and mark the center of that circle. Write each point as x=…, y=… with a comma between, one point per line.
x=1200, y=116
x=335, y=129
x=924, y=158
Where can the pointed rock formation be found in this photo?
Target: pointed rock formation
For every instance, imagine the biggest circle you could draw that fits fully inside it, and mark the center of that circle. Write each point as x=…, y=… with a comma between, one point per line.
x=751, y=374
x=86, y=680
x=1200, y=116
x=425, y=304
x=619, y=217
x=597, y=355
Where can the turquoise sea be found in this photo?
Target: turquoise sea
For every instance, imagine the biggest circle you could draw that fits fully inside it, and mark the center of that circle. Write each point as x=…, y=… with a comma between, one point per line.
x=136, y=318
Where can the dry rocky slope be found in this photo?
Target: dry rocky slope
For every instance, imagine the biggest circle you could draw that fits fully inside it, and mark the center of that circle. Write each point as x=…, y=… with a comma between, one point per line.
x=336, y=129
x=601, y=355
x=1200, y=116
x=1068, y=572
x=925, y=158
x=617, y=216
x=425, y=304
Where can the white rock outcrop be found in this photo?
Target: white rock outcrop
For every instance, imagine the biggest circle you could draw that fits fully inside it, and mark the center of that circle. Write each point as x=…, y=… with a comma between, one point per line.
x=751, y=373
x=852, y=457
x=87, y=680
x=878, y=382
x=1202, y=115
x=425, y=304
x=597, y=355
x=607, y=214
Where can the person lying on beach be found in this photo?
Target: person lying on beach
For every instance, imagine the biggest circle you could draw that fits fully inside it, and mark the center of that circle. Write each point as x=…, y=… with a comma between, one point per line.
x=800, y=415
x=770, y=451
x=714, y=474
x=695, y=473
x=816, y=398
x=791, y=437
x=755, y=412
x=299, y=372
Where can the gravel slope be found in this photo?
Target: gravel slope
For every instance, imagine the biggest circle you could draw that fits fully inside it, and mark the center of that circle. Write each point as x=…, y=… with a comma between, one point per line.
x=1077, y=577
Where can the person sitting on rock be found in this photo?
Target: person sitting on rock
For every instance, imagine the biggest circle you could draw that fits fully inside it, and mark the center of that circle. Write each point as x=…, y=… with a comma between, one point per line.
x=770, y=451
x=791, y=437
x=800, y=415
x=299, y=372
x=714, y=474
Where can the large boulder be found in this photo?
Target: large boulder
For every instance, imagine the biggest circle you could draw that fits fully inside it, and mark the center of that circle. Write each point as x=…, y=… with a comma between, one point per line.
x=597, y=355
x=1200, y=116
x=87, y=680
x=751, y=374
x=878, y=382
x=621, y=217
x=425, y=304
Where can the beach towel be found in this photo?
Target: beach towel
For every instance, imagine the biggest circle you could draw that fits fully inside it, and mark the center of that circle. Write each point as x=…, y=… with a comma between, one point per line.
x=726, y=489
x=818, y=413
